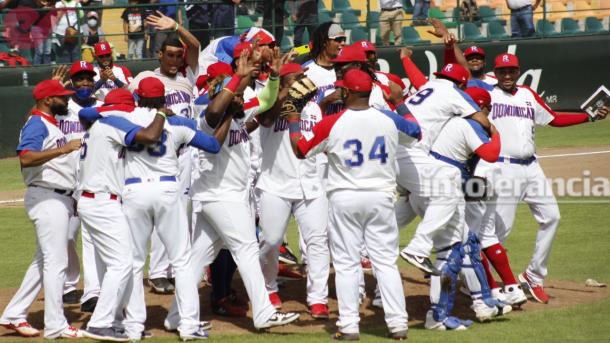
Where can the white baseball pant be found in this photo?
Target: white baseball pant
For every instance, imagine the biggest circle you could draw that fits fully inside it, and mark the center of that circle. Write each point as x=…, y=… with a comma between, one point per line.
x=92, y=268
x=109, y=230
x=481, y=218
x=50, y=213
x=157, y=204
x=159, y=265
x=404, y=212
x=312, y=218
x=357, y=219
x=73, y=270
x=529, y=184
x=436, y=183
x=230, y=224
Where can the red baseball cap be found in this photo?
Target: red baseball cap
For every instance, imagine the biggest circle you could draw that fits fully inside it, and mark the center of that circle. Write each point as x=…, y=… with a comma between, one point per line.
x=290, y=68
x=102, y=48
x=47, y=88
x=506, y=61
x=350, y=53
x=119, y=96
x=480, y=96
x=150, y=87
x=474, y=50
x=366, y=45
x=356, y=80
x=241, y=46
x=454, y=71
x=219, y=68
x=81, y=66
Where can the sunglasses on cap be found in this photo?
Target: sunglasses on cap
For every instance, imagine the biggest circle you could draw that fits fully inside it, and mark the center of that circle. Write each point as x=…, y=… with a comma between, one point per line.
x=340, y=39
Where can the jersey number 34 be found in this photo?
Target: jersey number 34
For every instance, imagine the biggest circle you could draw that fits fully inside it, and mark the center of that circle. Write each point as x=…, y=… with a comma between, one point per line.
x=377, y=151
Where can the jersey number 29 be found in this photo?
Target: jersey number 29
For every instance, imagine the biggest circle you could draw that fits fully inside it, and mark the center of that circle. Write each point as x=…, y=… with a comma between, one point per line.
x=377, y=151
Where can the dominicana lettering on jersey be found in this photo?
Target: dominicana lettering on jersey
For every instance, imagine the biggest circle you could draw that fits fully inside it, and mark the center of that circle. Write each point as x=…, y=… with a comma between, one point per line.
x=238, y=136
x=504, y=110
x=70, y=126
x=177, y=97
x=282, y=125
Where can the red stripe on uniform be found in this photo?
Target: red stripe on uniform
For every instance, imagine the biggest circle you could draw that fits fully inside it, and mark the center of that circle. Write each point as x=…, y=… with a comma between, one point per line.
x=252, y=103
x=320, y=133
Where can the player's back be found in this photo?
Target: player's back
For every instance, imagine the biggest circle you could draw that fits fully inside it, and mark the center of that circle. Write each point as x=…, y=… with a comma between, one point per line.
x=361, y=151
x=160, y=159
x=436, y=102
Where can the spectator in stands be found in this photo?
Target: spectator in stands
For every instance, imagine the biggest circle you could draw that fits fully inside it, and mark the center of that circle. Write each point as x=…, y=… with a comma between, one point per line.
x=391, y=18
x=273, y=18
x=469, y=11
x=65, y=38
x=12, y=58
x=38, y=36
x=522, y=17
x=223, y=18
x=420, y=12
x=305, y=16
x=198, y=16
x=94, y=3
x=134, y=28
x=171, y=9
x=92, y=31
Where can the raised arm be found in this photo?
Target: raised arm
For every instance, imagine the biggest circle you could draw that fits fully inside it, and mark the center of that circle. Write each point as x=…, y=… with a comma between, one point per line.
x=163, y=22
x=416, y=77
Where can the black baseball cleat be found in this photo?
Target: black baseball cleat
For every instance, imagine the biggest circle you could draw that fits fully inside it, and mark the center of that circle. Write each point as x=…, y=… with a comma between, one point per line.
x=286, y=255
x=70, y=297
x=421, y=262
x=340, y=336
x=398, y=335
x=89, y=305
x=161, y=286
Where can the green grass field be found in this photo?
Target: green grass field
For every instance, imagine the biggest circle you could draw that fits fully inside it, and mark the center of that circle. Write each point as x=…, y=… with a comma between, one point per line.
x=580, y=251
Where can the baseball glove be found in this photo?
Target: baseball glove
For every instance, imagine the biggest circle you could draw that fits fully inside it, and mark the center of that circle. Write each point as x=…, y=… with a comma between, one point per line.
x=476, y=188
x=299, y=94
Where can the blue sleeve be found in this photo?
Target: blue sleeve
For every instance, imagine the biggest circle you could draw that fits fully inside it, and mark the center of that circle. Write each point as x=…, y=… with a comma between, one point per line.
x=33, y=135
x=479, y=130
x=182, y=121
x=405, y=126
x=123, y=125
x=205, y=142
x=467, y=98
x=480, y=83
x=89, y=114
x=202, y=99
x=402, y=109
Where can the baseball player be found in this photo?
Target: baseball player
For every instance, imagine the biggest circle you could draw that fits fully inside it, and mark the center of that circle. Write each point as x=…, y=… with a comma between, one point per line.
x=108, y=76
x=178, y=70
x=221, y=195
x=516, y=110
x=457, y=249
x=151, y=198
x=101, y=179
x=291, y=186
x=48, y=167
x=435, y=103
x=361, y=145
x=81, y=75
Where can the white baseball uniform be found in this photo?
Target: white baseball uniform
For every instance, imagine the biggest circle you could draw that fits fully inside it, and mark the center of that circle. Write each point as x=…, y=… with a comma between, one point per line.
x=432, y=106
x=72, y=128
x=180, y=94
x=151, y=197
x=361, y=147
x=221, y=203
x=121, y=73
x=288, y=186
x=49, y=206
x=521, y=178
x=99, y=207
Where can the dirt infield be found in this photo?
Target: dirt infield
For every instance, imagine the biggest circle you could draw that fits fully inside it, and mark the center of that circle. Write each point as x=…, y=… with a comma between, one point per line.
x=563, y=294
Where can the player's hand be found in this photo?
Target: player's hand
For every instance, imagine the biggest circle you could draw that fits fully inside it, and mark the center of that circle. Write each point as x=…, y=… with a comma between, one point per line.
x=59, y=73
x=395, y=96
x=602, y=113
x=276, y=62
x=405, y=52
x=439, y=28
x=161, y=22
x=299, y=94
x=245, y=67
x=72, y=145
x=449, y=40
x=168, y=112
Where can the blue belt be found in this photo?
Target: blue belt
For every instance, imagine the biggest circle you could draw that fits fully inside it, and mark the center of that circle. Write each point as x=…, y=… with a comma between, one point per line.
x=460, y=165
x=133, y=180
x=524, y=162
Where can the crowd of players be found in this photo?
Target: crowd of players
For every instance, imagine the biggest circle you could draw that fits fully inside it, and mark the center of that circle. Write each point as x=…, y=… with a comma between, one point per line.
x=235, y=134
